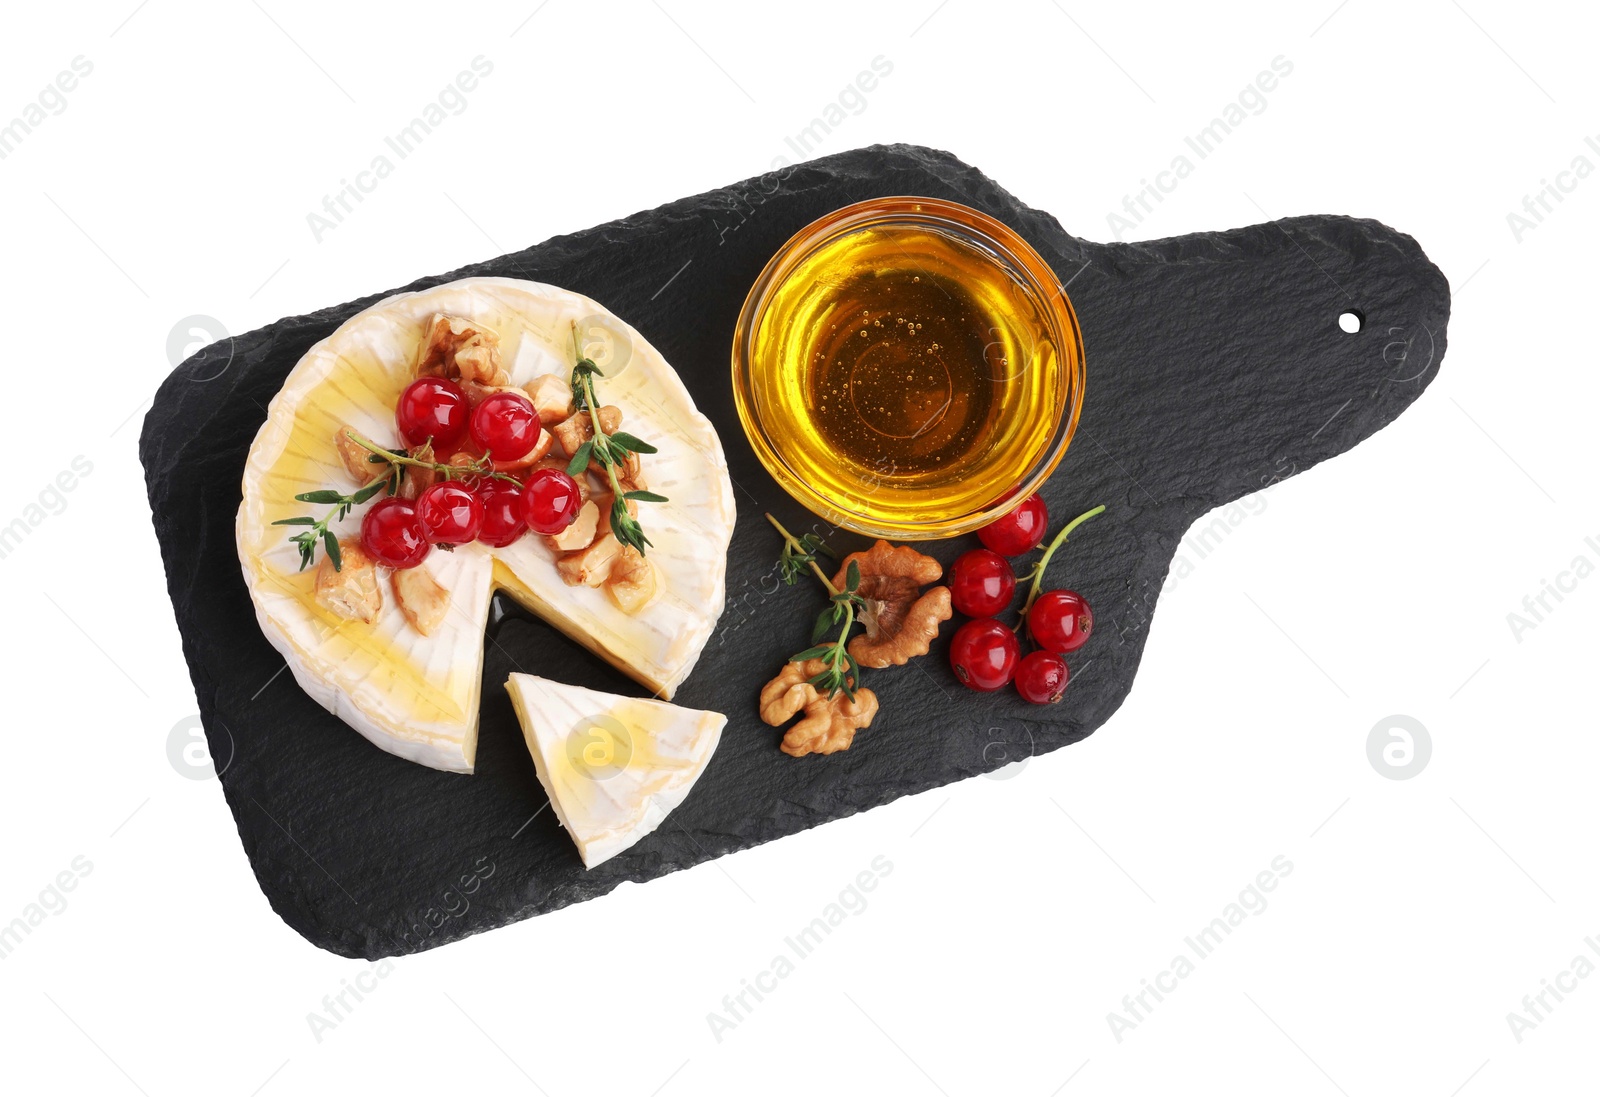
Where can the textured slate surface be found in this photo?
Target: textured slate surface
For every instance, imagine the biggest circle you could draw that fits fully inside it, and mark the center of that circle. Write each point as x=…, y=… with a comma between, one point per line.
x=1215, y=363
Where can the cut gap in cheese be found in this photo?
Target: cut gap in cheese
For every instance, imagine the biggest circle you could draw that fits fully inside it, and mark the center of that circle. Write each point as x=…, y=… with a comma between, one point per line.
x=613, y=766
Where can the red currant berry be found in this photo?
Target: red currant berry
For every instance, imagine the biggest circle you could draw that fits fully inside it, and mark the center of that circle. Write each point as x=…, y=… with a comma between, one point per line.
x=1022, y=529
x=981, y=583
x=502, y=512
x=432, y=407
x=550, y=501
x=505, y=425
x=984, y=654
x=392, y=534
x=1041, y=677
x=1060, y=621
x=450, y=514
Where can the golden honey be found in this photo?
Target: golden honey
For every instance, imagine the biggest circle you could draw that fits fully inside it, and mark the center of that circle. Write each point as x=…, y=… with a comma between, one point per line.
x=905, y=377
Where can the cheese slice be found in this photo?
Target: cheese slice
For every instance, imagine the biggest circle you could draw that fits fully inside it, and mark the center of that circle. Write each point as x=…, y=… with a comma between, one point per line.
x=613, y=767
x=418, y=696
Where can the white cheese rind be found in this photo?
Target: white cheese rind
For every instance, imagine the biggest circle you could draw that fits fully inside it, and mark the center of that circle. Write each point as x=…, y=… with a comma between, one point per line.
x=614, y=767
x=417, y=696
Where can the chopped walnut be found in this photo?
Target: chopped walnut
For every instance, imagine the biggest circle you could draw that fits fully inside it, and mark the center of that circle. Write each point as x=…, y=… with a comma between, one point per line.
x=633, y=583
x=479, y=391
x=581, y=533
x=352, y=591
x=414, y=481
x=420, y=598
x=354, y=456
x=552, y=398
x=590, y=567
x=460, y=350
x=829, y=724
x=575, y=430
x=901, y=619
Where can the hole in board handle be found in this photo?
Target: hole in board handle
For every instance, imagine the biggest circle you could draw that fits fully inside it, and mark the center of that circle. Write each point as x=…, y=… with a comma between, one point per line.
x=1351, y=321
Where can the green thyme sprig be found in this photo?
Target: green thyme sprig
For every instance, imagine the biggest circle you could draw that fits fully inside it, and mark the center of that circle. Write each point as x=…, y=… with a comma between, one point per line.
x=799, y=554
x=609, y=451
x=318, y=529
x=840, y=671
x=396, y=462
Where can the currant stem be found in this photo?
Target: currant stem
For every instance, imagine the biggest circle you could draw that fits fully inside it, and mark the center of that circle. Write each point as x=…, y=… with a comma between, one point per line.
x=479, y=467
x=1044, y=561
x=795, y=544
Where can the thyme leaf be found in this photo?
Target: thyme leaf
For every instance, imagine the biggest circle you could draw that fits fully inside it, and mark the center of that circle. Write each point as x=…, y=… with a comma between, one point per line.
x=840, y=672
x=609, y=451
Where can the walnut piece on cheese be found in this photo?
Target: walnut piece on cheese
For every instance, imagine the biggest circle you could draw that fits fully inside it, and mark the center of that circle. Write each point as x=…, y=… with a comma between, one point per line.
x=581, y=533
x=575, y=430
x=352, y=591
x=420, y=598
x=552, y=398
x=455, y=348
x=633, y=581
x=590, y=567
x=414, y=481
x=353, y=456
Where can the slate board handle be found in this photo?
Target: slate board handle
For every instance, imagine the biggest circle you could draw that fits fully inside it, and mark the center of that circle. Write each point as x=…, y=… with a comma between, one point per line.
x=1235, y=357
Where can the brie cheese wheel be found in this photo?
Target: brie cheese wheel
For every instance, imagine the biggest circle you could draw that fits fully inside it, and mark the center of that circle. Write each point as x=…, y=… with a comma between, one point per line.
x=417, y=696
x=613, y=767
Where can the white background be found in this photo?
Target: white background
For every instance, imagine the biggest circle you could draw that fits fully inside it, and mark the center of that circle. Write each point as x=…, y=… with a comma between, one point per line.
x=1019, y=912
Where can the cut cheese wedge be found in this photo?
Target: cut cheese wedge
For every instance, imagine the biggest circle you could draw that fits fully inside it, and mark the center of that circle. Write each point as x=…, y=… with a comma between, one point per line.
x=613, y=767
x=418, y=696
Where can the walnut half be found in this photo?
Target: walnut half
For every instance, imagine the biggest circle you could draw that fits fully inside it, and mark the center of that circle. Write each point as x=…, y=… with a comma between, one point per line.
x=901, y=619
x=829, y=724
x=460, y=350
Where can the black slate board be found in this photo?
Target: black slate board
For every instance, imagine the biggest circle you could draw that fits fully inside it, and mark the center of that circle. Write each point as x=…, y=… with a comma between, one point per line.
x=1216, y=365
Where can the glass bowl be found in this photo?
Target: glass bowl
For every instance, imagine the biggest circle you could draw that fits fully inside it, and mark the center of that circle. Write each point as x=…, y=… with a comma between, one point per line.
x=908, y=368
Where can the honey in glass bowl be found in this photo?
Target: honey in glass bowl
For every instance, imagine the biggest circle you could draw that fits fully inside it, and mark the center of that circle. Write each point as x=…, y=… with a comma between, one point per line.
x=908, y=368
